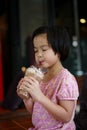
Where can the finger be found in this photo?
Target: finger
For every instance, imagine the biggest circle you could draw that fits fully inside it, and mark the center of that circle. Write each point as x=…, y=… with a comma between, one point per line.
x=33, y=80
x=30, y=78
x=20, y=82
x=26, y=84
x=28, y=89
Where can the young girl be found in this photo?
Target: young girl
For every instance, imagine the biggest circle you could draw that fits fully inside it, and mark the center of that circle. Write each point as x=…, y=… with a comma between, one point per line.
x=53, y=101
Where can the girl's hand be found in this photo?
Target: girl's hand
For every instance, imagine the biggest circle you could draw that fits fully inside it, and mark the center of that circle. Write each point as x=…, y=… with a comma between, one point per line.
x=33, y=88
x=19, y=86
x=22, y=93
x=20, y=83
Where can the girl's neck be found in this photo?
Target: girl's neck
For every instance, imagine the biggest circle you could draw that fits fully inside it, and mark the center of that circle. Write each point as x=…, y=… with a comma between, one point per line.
x=53, y=71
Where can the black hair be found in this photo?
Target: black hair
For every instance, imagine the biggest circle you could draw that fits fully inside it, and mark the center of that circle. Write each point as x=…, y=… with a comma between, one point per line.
x=58, y=38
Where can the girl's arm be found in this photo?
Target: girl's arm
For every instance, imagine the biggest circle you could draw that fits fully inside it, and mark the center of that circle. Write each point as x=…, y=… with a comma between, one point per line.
x=28, y=104
x=62, y=112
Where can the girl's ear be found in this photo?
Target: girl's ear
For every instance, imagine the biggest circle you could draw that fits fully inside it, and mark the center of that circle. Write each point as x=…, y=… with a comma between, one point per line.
x=58, y=55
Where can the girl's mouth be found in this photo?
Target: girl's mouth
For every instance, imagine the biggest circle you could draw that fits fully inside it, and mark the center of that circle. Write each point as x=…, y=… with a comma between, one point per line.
x=41, y=62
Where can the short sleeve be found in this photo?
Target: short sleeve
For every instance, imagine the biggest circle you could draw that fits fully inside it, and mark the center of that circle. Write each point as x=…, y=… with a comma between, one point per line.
x=68, y=89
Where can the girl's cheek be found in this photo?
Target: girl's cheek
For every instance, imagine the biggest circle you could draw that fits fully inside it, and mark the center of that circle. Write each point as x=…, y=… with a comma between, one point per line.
x=36, y=59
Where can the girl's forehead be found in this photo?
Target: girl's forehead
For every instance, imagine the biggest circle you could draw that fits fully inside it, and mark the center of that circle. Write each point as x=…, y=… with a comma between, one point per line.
x=41, y=36
x=40, y=40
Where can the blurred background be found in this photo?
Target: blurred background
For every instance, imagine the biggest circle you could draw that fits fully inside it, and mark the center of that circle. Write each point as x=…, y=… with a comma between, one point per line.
x=19, y=18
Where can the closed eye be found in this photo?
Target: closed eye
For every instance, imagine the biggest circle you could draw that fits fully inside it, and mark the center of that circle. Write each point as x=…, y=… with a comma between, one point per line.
x=35, y=51
x=42, y=48
x=45, y=48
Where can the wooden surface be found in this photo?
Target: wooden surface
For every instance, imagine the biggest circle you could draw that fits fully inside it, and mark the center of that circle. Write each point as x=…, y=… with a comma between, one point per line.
x=15, y=120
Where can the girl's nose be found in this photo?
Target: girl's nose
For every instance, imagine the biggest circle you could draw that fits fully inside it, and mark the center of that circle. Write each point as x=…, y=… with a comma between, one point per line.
x=40, y=53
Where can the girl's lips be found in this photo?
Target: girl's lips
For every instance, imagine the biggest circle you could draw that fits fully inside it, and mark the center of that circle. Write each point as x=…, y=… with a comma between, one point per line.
x=41, y=62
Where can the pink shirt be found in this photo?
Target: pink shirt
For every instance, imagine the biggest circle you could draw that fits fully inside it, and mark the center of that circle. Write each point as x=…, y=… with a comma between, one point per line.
x=61, y=87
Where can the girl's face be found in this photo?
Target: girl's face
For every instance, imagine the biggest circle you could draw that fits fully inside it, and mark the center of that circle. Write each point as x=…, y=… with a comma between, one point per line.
x=44, y=54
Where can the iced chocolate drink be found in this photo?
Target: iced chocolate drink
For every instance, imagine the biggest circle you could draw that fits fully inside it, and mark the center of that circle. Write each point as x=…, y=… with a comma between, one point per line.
x=34, y=72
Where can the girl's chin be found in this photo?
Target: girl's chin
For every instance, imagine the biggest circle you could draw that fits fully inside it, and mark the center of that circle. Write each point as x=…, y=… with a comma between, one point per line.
x=41, y=65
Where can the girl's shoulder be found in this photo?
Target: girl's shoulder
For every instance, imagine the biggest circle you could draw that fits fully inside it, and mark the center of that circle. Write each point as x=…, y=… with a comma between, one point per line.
x=66, y=74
